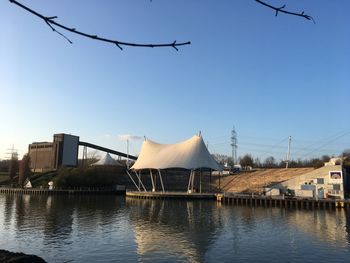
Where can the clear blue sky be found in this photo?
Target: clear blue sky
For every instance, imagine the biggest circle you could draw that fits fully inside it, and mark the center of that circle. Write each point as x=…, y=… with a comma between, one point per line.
x=269, y=76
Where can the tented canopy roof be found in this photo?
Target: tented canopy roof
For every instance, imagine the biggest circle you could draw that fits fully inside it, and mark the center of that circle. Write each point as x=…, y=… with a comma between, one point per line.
x=191, y=154
x=107, y=160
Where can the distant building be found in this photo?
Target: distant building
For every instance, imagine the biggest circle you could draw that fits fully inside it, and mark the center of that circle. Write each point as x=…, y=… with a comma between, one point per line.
x=326, y=182
x=48, y=156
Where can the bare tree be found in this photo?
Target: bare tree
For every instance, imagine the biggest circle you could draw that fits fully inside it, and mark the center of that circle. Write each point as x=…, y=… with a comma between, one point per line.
x=13, y=167
x=346, y=157
x=246, y=161
x=282, y=10
x=4, y=165
x=270, y=162
x=325, y=158
x=346, y=154
x=50, y=21
x=93, y=157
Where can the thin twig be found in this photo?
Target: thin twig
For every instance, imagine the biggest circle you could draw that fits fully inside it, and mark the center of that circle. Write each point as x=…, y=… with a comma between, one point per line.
x=281, y=9
x=53, y=29
x=50, y=22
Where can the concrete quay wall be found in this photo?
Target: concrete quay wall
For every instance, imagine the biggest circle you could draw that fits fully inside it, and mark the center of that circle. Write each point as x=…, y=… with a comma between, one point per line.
x=252, y=200
x=77, y=191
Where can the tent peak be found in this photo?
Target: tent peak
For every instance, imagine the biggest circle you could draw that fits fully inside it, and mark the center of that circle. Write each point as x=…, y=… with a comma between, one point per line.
x=190, y=154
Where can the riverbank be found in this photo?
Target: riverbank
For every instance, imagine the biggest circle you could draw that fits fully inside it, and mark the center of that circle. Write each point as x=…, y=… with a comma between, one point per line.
x=255, y=181
x=64, y=191
x=246, y=200
x=224, y=198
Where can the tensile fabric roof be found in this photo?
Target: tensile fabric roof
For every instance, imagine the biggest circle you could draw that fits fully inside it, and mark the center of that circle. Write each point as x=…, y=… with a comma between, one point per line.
x=191, y=154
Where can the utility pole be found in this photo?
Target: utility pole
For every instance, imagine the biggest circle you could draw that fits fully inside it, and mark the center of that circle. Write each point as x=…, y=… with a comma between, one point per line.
x=288, y=152
x=234, y=145
x=85, y=156
x=13, y=166
x=12, y=153
x=127, y=154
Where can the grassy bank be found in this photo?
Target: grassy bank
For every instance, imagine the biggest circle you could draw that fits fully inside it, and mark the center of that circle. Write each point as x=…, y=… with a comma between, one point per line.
x=97, y=176
x=81, y=177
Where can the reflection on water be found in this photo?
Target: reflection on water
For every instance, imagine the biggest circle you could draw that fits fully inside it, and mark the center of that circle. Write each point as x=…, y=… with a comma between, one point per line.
x=63, y=228
x=115, y=229
x=332, y=226
x=176, y=230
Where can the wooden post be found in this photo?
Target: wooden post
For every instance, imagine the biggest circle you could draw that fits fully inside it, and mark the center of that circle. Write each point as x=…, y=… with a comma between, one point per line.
x=210, y=181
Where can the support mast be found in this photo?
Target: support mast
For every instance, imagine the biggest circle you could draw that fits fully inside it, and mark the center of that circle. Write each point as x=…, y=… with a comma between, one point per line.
x=288, y=152
x=234, y=145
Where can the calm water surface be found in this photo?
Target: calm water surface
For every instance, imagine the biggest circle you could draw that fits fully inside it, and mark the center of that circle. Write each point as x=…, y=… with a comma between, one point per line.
x=119, y=229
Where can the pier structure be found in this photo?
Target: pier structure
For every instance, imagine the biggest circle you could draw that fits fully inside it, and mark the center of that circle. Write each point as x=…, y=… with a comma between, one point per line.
x=246, y=200
x=268, y=201
x=171, y=195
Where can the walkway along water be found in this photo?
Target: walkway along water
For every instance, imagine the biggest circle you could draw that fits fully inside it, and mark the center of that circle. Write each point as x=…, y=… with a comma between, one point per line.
x=224, y=198
x=254, y=200
x=64, y=191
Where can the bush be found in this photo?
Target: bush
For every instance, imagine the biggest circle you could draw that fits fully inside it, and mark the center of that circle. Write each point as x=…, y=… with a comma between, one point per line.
x=105, y=176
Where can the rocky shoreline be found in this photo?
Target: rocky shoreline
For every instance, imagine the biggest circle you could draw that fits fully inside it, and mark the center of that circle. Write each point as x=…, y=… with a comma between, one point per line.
x=13, y=257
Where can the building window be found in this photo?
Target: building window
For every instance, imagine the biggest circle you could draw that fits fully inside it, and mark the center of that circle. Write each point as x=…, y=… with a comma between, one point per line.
x=320, y=180
x=336, y=187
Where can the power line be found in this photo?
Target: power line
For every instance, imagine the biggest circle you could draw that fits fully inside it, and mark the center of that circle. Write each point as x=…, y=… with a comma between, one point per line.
x=316, y=143
x=262, y=145
x=327, y=143
x=266, y=148
x=278, y=148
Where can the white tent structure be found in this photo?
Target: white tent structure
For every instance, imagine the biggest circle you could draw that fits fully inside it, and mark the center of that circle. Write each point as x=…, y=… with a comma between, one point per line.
x=27, y=184
x=106, y=160
x=191, y=154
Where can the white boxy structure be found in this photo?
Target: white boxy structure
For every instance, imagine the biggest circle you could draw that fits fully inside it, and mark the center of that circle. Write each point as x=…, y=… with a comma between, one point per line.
x=191, y=154
x=272, y=191
x=324, y=182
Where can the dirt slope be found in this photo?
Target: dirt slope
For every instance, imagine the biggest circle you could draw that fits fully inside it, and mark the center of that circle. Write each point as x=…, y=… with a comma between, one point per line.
x=256, y=180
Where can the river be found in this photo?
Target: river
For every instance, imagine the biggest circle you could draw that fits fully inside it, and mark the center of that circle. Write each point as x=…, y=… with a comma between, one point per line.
x=119, y=229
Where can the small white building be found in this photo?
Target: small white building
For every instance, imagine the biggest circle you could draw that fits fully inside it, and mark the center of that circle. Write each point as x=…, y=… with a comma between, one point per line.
x=333, y=161
x=325, y=182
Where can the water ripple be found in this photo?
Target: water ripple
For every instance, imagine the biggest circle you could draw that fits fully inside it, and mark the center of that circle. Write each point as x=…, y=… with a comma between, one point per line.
x=115, y=229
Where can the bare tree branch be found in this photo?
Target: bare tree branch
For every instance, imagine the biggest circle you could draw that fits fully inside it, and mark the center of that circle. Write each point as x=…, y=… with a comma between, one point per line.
x=280, y=9
x=51, y=23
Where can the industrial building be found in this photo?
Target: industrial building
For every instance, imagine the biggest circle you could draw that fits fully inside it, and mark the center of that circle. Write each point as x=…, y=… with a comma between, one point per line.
x=48, y=156
x=63, y=151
